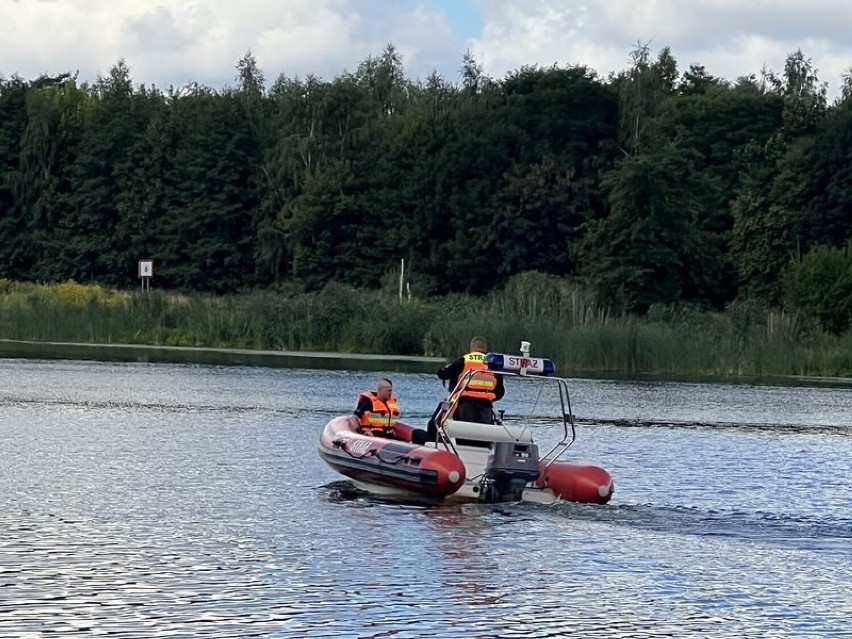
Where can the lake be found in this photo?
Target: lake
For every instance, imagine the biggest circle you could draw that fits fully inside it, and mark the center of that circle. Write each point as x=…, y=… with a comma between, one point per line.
x=178, y=500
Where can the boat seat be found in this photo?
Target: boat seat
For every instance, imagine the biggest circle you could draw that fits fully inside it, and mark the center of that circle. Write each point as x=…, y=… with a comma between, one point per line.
x=487, y=432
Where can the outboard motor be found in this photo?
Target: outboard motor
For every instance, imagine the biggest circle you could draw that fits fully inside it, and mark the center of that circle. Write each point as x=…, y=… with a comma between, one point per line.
x=511, y=466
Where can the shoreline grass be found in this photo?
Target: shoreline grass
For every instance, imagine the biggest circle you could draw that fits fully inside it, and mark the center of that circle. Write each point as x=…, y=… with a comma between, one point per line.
x=561, y=321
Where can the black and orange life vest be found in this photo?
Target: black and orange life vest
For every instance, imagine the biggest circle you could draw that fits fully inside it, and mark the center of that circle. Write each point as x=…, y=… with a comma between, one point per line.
x=482, y=384
x=381, y=417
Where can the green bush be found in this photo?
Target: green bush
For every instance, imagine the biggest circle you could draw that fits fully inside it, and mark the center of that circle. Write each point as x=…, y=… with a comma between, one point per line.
x=818, y=288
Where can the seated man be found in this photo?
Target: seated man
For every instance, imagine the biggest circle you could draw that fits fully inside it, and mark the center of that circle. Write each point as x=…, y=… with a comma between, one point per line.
x=378, y=410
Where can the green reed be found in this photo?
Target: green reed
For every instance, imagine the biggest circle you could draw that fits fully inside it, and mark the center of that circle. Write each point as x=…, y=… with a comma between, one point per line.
x=559, y=318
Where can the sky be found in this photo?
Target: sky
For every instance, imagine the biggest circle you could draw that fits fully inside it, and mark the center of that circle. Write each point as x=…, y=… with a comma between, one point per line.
x=175, y=42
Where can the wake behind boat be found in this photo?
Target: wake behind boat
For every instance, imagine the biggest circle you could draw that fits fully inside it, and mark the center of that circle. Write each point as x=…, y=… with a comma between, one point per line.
x=468, y=461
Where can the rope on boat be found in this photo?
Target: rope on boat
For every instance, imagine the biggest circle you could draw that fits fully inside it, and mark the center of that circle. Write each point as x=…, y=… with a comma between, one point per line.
x=399, y=458
x=376, y=453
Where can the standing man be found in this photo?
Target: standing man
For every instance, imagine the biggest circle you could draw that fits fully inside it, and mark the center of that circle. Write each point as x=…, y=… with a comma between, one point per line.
x=378, y=410
x=483, y=388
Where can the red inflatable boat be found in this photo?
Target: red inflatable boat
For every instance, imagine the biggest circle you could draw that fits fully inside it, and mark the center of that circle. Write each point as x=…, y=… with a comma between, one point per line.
x=466, y=461
x=389, y=466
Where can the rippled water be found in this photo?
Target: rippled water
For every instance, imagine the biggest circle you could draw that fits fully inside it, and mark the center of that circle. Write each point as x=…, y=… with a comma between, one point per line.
x=186, y=501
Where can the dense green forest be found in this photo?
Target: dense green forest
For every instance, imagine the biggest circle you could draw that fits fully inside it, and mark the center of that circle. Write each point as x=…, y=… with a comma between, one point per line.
x=650, y=187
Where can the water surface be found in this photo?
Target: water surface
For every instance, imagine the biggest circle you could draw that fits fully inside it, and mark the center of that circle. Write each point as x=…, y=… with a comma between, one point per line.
x=143, y=500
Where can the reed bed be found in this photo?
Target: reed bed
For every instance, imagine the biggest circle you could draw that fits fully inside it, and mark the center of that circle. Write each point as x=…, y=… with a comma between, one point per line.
x=558, y=317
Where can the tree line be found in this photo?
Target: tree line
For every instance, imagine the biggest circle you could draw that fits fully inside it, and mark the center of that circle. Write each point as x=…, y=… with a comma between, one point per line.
x=651, y=186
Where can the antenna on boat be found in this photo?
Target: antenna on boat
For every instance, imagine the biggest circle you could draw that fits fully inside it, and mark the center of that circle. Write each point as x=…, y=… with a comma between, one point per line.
x=525, y=357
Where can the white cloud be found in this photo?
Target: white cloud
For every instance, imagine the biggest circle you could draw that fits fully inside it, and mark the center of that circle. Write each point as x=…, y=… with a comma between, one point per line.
x=177, y=41
x=731, y=38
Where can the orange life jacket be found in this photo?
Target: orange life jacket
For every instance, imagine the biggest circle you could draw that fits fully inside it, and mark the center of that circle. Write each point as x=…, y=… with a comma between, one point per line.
x=381, y=417
x=482, y=384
